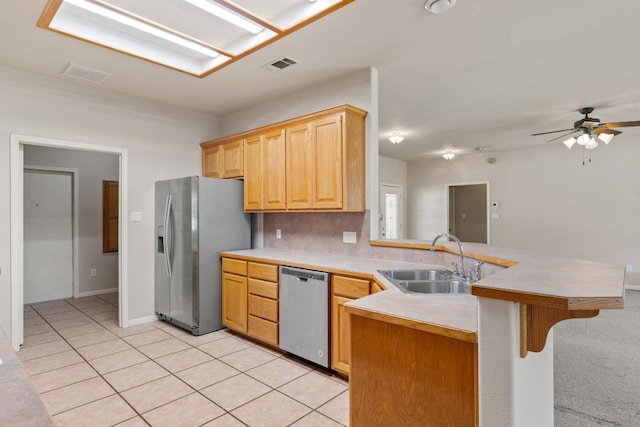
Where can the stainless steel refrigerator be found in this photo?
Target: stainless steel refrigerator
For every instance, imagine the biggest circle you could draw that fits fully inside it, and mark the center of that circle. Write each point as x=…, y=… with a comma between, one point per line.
x=196, y=218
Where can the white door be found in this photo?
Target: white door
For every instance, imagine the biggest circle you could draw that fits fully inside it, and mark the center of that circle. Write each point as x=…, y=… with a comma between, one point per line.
x=391, y=224
x=48, y=236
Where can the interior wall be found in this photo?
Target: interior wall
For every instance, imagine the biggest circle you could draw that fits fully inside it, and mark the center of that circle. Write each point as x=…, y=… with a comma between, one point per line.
x=548, y=202
x=393, y=171
x=162, y=142
x=93, y=168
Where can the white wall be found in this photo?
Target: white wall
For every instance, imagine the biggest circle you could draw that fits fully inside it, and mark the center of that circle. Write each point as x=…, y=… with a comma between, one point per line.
x=549, y=203
x=162, y=143
x=93, y=168
x=393, y=171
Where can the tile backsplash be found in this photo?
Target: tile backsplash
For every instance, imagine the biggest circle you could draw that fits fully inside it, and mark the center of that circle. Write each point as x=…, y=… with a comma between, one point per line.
x=322, y=232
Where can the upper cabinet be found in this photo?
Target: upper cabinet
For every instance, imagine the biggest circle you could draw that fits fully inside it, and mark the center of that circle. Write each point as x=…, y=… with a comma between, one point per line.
x=310, y=163
x=223, y=159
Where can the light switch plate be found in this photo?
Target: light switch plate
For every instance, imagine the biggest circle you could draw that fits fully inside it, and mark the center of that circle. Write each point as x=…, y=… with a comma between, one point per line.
x=136, y=216
x=348, y=237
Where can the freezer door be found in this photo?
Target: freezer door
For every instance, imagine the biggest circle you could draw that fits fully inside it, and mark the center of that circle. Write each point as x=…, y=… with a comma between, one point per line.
x=175, y=220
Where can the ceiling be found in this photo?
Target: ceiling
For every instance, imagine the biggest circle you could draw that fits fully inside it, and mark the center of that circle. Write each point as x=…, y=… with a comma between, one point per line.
x=485, y=74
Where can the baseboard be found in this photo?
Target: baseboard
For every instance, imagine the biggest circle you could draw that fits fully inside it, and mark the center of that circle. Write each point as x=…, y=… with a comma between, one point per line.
x=632, y=287
x=142, y=320
x=98, y=292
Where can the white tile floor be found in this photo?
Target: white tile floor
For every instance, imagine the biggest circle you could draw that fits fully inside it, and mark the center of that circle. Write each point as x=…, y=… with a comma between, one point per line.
x=89, y=372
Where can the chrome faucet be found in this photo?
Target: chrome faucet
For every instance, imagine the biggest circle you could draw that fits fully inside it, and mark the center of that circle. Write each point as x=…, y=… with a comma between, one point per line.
x=473, y=274
x=459, y=270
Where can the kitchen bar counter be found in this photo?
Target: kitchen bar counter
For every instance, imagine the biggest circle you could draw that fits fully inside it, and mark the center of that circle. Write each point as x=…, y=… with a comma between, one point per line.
x=20, y=405
x=565, y=284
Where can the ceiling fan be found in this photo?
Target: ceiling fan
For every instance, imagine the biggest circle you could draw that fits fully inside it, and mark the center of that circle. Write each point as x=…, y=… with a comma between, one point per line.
x=590, y=131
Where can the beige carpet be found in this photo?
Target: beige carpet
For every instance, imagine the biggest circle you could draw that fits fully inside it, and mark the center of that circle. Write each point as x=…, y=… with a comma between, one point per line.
x=597, y=368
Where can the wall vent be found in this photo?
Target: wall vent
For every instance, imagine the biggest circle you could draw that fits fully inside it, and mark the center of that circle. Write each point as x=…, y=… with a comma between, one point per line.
x=280, y=64
x=81, y=72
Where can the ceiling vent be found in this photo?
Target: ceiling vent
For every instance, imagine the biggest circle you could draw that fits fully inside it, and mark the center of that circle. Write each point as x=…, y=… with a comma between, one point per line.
x=81, y=72
x=280, y=64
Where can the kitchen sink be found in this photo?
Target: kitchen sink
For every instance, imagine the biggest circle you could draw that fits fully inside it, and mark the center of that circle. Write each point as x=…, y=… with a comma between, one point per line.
x=431, y=274
x=427, y=281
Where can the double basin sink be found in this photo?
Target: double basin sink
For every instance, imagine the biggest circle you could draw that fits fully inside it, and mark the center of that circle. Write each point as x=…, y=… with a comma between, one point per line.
x=427, y=281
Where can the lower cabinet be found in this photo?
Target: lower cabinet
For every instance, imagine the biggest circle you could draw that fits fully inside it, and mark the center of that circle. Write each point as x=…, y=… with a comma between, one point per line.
x=343, y=290
x=250, y=299
x=263, y=302
x=234, y=294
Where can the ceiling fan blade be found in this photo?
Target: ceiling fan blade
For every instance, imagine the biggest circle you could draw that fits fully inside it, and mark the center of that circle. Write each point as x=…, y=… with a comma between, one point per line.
x=620, y=124
x=553, y=131
x=560, y=137
x=605, y=130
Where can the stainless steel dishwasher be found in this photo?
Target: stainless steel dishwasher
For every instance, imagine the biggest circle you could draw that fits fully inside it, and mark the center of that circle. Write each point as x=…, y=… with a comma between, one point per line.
x=304, y=314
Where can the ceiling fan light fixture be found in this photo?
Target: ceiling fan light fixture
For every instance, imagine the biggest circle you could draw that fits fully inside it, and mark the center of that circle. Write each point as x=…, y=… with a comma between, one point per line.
x=591, y=144
x=569, y=142
x=583, y=139
x=448, y=155
x=396, y=138
x=606, y=137
x=439, y=6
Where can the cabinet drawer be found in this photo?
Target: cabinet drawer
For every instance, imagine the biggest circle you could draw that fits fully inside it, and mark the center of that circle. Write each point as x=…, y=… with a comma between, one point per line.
x=234, y=266
x=263, y=307
x=262, y=288
x=377, y=287
x=263, y=330
x=263, y=271
x=350, y=287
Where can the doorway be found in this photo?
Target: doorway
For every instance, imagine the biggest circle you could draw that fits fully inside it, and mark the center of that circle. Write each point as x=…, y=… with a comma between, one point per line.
x=50, y=251
x=18, y=142
x=468, y=211
x=391, y=212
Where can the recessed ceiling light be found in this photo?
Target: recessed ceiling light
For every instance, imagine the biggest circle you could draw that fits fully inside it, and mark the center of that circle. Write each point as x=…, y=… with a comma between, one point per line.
x=439, y=6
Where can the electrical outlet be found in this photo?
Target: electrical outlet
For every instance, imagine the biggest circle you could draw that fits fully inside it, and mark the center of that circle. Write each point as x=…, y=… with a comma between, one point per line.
x=629, y=268
x=278, y=233
x=348, y=237
x=94, y=273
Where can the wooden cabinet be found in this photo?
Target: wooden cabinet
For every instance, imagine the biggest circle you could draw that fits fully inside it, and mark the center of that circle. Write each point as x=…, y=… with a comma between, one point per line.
x=264, y=180
x=223, y=160
x=310, y=163
x=314, y=164
x=250, y=299
x=343, y=290
x=234, y=294
x=263, y=302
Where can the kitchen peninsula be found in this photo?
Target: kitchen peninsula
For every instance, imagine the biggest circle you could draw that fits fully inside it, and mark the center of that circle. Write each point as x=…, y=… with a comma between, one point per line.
x=488, y=357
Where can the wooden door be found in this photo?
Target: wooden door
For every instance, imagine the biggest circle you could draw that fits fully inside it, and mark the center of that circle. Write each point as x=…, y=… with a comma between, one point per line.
x=300, y=167
x=234, y=302
x=110, y=211
x=212, y=162
x=327, y=145
x=233, y=159
x=340, y=334
x=273, y=186
x=253, y=173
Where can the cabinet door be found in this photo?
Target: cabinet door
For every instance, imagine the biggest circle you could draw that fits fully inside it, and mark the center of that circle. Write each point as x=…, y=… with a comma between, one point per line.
x=340, y=335
x=300, y=166
x=212, y=161
x=253, y=173
x=327, y=145
x=273, y=186
x=232, y=159
x=234, y=302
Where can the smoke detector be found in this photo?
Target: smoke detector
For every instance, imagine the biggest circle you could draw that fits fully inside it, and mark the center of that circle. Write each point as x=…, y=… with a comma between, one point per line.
x=280, y=64
x=77, y=71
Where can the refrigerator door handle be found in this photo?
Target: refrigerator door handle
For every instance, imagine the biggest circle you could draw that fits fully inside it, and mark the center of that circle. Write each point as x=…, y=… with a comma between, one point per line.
x=167, y=235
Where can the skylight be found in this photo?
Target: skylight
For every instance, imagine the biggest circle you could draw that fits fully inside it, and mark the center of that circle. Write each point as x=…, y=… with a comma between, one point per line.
x=197, y=37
